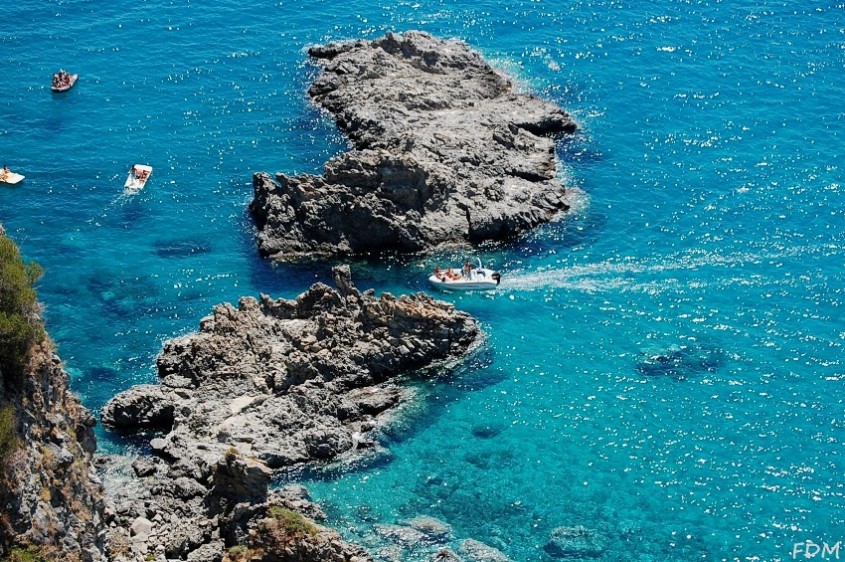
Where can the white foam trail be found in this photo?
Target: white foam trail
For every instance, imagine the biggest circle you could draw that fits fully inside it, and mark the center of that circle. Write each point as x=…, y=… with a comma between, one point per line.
x=652, y=276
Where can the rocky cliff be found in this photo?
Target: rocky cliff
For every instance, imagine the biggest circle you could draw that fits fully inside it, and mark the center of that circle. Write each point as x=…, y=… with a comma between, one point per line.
x=446, y=151
x=51, y=500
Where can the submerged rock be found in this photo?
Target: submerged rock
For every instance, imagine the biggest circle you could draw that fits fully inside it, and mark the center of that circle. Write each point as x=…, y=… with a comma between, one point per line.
x=432, y=527
x=681, y=361
x=476, y=551
x=445, y=555
x=488, y=431
x=446, y=151
x=575, y=542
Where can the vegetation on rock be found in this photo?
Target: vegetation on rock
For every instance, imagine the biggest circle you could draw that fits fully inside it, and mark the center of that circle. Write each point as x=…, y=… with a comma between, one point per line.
x=28, y=554
x=8, y=438
x=290, y=523
x=51, y=502
x=283, y=535
x=20, y=323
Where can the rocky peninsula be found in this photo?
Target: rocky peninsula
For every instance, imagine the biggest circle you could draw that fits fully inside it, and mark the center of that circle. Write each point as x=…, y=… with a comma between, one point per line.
x=446, y=151
x=269, y=384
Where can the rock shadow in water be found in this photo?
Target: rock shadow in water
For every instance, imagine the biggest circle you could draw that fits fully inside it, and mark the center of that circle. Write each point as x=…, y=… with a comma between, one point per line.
x=680, y=361
x=488, y=430
x=181, y=248
x=487, y=459
x=576, y=230
x=123, y=297
x=475, y=374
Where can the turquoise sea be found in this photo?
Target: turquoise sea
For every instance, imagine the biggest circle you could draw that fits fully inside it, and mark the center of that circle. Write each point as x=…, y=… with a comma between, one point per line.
x=664, y=366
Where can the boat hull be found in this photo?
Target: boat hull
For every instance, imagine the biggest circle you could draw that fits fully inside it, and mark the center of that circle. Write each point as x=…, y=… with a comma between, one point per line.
x=66, y=87
x=479, y=280
x=11, y=178
x=138, y=177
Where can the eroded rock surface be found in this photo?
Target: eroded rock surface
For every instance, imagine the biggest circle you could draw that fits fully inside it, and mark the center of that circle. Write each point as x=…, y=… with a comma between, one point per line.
x=51, y=499
x=289, y=381
x=269, y=384
x=446, y=151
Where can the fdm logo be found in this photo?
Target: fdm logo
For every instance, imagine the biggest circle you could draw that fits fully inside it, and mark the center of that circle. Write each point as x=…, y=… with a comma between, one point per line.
x=809, y=549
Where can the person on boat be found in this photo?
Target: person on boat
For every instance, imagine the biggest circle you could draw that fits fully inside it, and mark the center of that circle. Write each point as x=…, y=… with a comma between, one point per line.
x=438, y=272
x=450, y=274
x=55, y=80
x=467, y=270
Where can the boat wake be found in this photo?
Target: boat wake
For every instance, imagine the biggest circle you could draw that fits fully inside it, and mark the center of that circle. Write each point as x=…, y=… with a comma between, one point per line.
x=676, y=272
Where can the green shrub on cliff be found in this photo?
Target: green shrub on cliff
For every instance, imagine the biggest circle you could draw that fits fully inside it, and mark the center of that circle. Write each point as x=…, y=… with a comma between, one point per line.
x=20, y=323
x=272, y=538
x=8, y=439
x=28, y=554
x=294, y=524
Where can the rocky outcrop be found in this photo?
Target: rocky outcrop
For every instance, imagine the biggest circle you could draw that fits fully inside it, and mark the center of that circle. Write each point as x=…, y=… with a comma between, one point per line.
x=51, y=500
x=446, y=152
x=275, y=533
x=266, y=385
x=289, y=381
x=158, y=515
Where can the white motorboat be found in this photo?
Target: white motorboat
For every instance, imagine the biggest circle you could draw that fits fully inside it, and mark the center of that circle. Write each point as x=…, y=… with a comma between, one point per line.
x=138, y=176
x=10, y=177
x=466, y=278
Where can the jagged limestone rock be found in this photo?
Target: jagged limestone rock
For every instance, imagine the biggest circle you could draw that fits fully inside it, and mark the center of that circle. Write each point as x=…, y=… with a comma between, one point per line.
x=446, y=151
x=264, y=385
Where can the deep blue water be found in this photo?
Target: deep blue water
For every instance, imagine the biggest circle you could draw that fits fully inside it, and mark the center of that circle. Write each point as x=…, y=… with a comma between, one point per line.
x=710, y=233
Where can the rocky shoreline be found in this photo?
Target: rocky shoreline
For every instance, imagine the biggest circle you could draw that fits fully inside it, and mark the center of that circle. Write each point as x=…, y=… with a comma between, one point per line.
x=446, y=152
x=51, y=498
x=267, y=385
x=50, y=494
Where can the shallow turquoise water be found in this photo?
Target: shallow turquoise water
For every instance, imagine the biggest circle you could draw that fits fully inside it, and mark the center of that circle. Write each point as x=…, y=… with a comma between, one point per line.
x=711, y=223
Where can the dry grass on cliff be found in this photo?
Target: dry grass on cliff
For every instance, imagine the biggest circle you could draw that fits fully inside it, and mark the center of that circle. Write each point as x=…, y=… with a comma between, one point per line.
x=276, y=535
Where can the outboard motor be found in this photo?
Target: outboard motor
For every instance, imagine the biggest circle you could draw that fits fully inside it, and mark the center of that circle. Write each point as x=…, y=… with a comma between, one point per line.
x=496, y=277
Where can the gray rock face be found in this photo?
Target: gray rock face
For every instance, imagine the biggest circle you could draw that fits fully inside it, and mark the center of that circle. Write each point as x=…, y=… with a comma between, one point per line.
x=141, y=527
x=50, y=495
x=289, y=381
x=265, y=385
x=446, y=152
x=145, y=407
x=241, y=479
